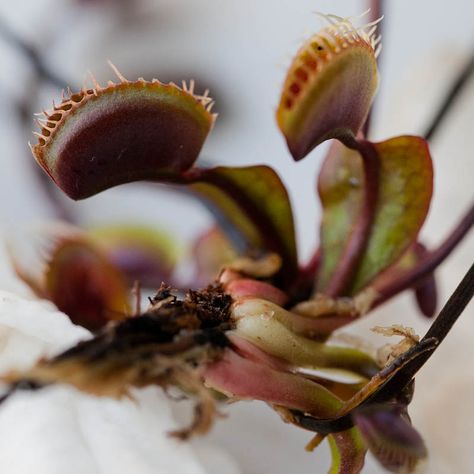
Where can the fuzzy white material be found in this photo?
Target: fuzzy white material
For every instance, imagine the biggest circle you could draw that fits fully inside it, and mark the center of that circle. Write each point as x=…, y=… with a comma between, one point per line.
x=60, y=430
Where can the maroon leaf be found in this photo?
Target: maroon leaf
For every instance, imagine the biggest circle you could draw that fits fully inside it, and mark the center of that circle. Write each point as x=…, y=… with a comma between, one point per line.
x=391, y=438
x=425, y=290
x=84, y=284
x=131, y=131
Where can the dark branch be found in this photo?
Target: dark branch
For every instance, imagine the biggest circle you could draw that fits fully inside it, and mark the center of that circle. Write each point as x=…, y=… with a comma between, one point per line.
x=376, y=10
x=438, y=330
x=453, y=93
x=398, y=382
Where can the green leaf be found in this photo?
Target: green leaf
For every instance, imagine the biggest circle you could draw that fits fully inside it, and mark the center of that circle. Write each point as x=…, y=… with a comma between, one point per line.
x=405, y=189
x=340, y=191
x=270, y=327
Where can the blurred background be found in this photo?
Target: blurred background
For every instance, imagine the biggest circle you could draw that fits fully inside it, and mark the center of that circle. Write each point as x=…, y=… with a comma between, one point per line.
x=240, y=50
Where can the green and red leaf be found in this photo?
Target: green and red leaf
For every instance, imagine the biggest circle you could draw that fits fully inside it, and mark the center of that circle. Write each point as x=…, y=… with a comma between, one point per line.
x=347, y=451
x=404, y=194
x=131, y=131
x=255, y=202
x=240, y=377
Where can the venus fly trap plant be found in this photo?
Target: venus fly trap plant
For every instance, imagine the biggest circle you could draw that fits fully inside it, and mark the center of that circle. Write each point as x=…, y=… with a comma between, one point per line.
x=261, y=328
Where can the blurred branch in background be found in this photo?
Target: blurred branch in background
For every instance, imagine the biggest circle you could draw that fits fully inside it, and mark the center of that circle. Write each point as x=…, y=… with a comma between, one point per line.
x=41, y=73
x=454, y=91
x=34, y=57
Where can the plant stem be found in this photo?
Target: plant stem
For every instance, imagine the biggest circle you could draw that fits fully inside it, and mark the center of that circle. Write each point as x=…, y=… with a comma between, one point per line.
x=376, y=12
x=429, y=263
x=425, y=290
x=394, y=385
x=453, y=93
x=361, y=230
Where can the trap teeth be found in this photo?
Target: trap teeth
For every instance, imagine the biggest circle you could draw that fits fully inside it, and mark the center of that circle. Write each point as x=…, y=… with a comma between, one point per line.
x=330, y=85
x=122, y=125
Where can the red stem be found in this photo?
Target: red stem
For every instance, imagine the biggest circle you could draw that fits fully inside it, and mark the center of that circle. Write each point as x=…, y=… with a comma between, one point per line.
x=350, y=259
x=376, y=11
x=311, y=267
x=426, y=292
x=429, y=263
